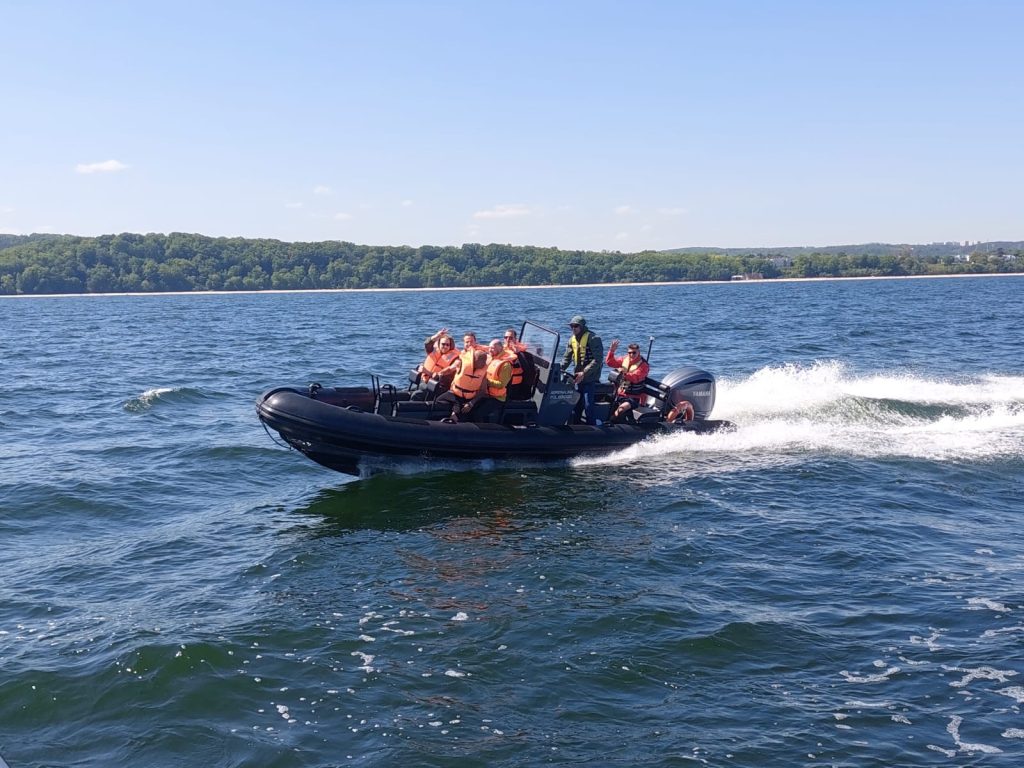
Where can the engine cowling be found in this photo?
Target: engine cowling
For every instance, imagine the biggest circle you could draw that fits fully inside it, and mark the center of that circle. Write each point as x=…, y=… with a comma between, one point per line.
x=693, y=384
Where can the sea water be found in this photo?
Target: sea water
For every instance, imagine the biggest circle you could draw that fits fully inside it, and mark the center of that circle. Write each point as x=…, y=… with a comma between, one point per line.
x=837, y=582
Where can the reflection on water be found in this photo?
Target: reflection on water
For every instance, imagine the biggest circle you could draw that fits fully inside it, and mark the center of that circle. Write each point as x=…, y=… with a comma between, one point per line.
x=399, y=503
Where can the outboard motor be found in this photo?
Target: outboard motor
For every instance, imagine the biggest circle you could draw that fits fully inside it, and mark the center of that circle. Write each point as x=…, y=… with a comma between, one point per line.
x=693, y=384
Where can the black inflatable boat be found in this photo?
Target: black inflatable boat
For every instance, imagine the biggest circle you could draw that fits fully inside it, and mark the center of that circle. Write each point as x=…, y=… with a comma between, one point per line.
x=340, y=426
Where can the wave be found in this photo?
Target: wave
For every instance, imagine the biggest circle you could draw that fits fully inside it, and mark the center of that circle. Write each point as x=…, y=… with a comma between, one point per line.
x=792, y=410
x=158, y=396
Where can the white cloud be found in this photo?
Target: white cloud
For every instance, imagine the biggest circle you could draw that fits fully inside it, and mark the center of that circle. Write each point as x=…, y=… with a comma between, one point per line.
x=622, y=236
x=407, y=203
x=322, y=189
x=624, y=210
x=293, y=205
x=107, y=166
x=342, y=216
x=673, y=211
x=503, y=212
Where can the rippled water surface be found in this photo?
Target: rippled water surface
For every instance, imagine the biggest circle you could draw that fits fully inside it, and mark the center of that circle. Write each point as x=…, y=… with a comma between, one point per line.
x=838, y=582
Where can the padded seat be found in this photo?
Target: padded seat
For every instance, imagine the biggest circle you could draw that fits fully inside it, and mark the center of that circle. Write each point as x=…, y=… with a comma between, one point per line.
x=519, y=412
x=418, y=409
x=644, y=414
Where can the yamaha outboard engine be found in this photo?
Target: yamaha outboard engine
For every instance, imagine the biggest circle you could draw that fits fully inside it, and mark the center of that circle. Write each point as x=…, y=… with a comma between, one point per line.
x=693, y=384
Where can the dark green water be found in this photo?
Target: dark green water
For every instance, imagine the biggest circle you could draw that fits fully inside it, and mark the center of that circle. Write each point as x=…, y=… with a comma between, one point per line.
x=836, y=583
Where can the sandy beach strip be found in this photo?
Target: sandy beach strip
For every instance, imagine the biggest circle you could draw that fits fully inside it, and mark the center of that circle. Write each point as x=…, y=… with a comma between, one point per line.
x=753, y=281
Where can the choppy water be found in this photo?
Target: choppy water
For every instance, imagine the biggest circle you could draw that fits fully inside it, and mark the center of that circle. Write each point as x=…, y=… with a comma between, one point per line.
x=839, y=582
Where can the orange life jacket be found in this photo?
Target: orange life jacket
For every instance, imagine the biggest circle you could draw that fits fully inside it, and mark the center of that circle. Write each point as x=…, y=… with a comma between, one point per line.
x=437, y=361
x=517, y=367
x=468, y=380
x=495, y=388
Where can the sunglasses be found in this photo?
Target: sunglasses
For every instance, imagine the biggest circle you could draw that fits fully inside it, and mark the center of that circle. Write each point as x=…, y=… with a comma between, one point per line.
x=634, y=351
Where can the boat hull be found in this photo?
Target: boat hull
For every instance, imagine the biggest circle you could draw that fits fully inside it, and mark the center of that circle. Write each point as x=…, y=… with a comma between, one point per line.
x=340, y=437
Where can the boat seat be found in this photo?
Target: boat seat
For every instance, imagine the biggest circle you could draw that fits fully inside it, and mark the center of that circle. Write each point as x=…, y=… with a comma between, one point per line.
x=603, y=410
x=656, y=396
x=419, y=409
x=519, y=412
x=645, y=414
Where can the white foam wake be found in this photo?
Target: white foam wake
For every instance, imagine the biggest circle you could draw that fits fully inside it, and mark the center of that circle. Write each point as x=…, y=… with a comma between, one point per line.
x=783, y=413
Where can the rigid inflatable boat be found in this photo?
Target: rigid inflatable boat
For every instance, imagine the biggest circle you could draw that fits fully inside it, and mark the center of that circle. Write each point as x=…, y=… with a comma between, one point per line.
x=338, y=427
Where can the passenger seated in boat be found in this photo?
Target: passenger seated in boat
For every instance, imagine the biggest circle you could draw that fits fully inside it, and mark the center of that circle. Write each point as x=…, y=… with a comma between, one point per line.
x=494, y=391
x=633, y=371
x=468, y=345
x=512, y=341
x=520, y=387
x=469, y=369
x=441, y=353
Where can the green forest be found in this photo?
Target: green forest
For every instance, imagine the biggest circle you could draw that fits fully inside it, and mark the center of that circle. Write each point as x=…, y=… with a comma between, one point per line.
x=128, y=263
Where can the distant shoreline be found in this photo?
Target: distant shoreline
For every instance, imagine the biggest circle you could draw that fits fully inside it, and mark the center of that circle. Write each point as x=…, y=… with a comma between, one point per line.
x=761, y=281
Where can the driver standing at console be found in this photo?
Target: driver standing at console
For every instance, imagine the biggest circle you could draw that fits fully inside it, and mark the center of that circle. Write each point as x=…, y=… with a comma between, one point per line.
x=585, y=353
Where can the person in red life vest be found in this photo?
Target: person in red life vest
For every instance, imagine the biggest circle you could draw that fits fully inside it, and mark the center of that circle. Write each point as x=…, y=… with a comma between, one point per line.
x=633, y=371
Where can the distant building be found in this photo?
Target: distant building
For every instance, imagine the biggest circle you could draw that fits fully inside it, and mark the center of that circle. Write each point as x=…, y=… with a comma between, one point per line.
x=749, y=276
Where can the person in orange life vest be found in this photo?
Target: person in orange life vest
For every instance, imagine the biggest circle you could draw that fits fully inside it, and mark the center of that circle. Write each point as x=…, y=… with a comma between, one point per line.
x=512, y=342
x=441, y=353
x=518, y=387
x=494, y=389
x=468, y=344
x=468, y=375
x=633, y=370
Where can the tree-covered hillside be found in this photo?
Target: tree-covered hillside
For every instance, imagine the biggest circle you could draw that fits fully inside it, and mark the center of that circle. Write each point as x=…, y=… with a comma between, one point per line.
x=38, y=264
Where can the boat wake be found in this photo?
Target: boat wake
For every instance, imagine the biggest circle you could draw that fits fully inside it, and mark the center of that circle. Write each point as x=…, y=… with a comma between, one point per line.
x=793, y=410
x=157, y=396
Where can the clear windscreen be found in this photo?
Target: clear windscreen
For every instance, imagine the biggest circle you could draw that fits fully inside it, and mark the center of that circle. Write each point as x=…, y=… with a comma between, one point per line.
x=541, y=342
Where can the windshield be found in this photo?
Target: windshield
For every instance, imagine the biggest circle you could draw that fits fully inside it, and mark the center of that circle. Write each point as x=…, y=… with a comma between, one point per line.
x=540, y=341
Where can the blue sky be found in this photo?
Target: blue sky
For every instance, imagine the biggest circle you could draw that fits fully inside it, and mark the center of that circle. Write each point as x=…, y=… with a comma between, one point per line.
x=598, y=125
